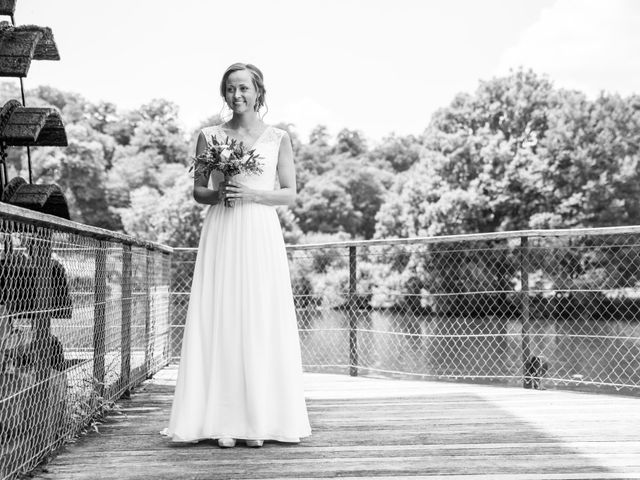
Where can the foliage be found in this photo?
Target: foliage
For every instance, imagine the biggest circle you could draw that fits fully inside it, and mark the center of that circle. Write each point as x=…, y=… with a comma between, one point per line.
x=397, y=153
x=343, y=199
x=520, y=154
x=517, y=153
x=170, y=216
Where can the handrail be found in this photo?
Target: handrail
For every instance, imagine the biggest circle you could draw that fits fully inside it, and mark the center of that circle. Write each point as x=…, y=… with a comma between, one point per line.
x=11, y=212
x=514, y=234
x=507, y=235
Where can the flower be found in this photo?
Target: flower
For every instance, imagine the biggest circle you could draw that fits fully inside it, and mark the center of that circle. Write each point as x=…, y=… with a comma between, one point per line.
x=229, y=157
x=225, y=153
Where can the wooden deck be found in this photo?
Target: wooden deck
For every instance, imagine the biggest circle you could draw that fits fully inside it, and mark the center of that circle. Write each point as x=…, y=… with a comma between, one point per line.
x=382, y=428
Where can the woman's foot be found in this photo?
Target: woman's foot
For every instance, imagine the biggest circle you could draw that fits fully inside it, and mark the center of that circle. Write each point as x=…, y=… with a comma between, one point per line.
x=226, y=442
x=254, y=443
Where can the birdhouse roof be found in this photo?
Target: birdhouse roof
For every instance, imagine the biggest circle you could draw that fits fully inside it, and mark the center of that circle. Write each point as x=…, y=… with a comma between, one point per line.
x=19, y=45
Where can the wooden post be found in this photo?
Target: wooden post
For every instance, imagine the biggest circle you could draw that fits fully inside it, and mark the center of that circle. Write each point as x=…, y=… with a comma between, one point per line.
x=525, y=313
x=99, y=323
x=353, y=318
x=125, y=327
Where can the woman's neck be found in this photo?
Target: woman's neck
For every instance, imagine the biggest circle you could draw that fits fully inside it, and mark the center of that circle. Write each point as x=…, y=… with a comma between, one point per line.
x=244, y=121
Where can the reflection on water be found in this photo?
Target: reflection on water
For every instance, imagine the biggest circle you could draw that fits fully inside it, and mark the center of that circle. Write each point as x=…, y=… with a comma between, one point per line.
x=490, y=348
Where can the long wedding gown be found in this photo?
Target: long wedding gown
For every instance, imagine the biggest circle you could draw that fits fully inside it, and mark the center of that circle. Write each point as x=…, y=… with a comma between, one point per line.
x=240, y=372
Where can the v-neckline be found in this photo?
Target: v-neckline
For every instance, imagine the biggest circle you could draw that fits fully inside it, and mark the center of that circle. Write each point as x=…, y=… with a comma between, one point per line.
x=255, y=144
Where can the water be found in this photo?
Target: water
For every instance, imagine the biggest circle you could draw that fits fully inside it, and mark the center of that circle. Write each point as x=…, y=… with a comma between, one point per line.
x=583, y=354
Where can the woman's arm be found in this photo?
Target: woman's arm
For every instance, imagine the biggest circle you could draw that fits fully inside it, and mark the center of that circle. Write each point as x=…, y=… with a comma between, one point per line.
x=201, y=192
x=286, y=195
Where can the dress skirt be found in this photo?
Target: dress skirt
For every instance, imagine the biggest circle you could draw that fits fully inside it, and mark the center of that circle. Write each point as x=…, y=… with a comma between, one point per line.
x=240, y=372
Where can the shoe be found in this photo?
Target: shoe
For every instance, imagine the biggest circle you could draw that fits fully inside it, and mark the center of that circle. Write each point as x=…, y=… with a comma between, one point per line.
x=254, y=443
x=226, y=442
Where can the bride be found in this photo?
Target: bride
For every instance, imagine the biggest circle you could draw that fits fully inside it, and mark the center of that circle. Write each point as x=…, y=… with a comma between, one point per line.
x=240, y=374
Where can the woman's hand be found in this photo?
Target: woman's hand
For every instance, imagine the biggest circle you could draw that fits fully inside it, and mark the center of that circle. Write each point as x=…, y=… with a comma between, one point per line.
x=235, y=191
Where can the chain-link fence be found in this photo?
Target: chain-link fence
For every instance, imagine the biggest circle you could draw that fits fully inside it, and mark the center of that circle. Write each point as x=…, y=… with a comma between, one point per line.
x=84, y=316
x=536, y=308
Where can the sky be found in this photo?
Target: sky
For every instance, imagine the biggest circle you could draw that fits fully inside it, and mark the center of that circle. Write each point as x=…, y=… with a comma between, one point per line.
x=378, y=66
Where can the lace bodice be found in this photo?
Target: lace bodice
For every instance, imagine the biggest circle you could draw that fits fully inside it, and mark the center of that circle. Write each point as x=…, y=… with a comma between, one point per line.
x=267, y=146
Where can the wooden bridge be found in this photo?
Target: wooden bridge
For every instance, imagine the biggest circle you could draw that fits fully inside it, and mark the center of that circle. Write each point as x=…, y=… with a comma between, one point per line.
x=379, y=428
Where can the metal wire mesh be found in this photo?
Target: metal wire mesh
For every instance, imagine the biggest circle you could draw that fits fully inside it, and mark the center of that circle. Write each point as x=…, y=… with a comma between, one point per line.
x=539, y=309
x=82, y=320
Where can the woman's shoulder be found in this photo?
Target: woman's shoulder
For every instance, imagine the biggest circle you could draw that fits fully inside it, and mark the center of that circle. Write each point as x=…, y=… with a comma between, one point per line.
x=278, y=132
x=211, y=129
x=209, y=132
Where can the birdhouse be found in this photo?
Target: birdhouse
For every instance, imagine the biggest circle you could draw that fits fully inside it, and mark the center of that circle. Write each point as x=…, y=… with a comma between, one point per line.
x=22, y=126
x=20, y=45
x=7, y=7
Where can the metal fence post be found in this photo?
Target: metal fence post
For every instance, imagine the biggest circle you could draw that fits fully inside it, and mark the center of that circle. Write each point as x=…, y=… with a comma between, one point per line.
x=43, y=301
x=99, y=323
x=525, y=313
x=353, y=317
x=147, y=316
x=125, y=327
x=168, y=274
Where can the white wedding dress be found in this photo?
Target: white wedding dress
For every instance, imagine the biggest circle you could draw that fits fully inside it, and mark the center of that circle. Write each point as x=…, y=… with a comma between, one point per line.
x=240, y=372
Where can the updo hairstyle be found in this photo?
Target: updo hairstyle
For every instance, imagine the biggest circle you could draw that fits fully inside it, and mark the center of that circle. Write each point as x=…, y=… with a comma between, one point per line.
x=256, y=76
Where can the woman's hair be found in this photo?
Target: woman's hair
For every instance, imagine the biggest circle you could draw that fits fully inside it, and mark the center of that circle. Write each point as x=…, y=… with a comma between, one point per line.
x=256, y=76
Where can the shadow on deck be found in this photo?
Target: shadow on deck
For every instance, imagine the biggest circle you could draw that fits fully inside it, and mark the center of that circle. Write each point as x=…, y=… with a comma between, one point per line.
x=382, y=428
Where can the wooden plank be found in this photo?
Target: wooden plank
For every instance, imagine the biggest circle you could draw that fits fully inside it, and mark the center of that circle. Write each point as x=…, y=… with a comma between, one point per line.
x=405, y=467
x=366, y=427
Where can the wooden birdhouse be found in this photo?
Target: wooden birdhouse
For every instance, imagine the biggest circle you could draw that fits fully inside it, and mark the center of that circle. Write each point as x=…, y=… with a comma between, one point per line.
x=7, y=7
x=23, y=126
x=20, y=45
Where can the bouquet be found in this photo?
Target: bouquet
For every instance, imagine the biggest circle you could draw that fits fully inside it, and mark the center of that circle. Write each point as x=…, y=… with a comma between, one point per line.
x=230, y=158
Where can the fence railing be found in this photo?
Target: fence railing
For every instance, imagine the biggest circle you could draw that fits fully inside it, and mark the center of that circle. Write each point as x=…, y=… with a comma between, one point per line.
x=550, y=308
x=84, y=317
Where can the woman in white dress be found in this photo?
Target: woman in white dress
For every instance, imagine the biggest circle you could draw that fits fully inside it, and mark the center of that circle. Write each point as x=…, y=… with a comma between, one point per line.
x=240, y=374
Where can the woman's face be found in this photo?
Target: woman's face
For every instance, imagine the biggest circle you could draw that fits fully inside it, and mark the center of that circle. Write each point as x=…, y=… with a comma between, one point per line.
x=240, y=94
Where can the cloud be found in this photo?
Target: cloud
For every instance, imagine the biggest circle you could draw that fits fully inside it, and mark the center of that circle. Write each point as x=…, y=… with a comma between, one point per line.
x=590, y=45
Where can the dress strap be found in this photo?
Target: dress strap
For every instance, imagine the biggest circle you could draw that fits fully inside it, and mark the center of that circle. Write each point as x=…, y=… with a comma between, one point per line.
x=209, y=132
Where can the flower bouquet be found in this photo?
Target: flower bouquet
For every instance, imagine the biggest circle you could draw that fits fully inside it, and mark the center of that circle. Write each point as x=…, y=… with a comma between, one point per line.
x=230, y=157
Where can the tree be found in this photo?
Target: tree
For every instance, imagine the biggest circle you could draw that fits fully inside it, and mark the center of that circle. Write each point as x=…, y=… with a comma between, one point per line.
x=79, y=170
x=325, y=206
x=319, y=136
x=591, y=161
x=159, y=130
x=398, y=152
x=170, y=217
x=344, y=199
x=350, y=142
x=313, y=159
